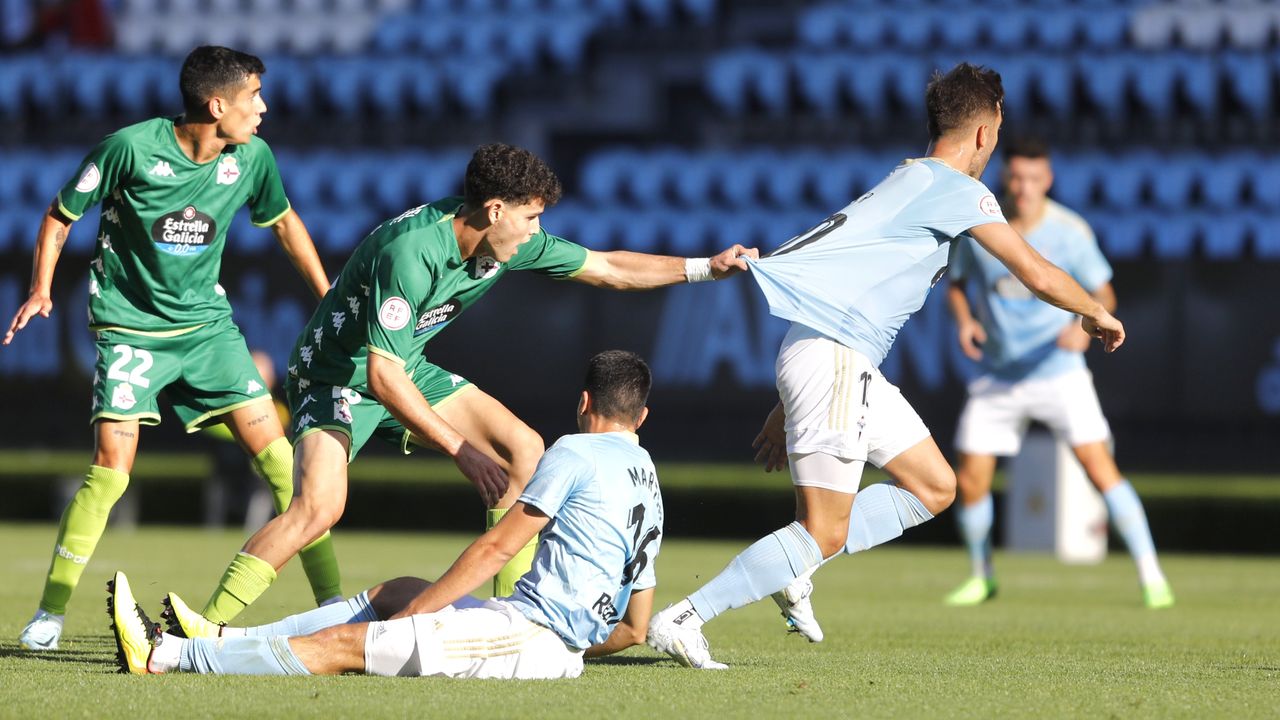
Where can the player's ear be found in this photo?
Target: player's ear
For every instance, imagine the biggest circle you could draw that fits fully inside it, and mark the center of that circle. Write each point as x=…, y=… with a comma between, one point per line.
x=493, y=210
x=584, y=403
x=217, y=107
x=644, y=415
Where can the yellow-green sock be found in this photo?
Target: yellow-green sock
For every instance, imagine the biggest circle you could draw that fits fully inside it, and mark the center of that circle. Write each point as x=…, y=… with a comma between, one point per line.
x=504, y=583
x=82, y=525
x=319, y=561
x=246, y=578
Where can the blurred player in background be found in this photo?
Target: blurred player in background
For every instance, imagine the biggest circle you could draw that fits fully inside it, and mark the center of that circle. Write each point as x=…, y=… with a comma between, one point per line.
x=595, y=498
x=169, y=188
x=847, y=286
x=1032, y=358
x=359, y=369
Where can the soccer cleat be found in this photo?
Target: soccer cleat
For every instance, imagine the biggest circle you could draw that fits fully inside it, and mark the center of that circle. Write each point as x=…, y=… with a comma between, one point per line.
x=42, y=632
x=134, y=631
x=685, y=644
x=185, y=622
x=1157, y=595
x=974, y=591
x=797, y=609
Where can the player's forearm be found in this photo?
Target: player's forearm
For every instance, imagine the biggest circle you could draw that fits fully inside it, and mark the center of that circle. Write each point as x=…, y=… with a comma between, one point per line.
x=622, y=270
x=391, y=385
x=622, y=637
x=959, y=304
x=1106, y=295
x=1049, y=283
x=50, y=239
x=296, y=242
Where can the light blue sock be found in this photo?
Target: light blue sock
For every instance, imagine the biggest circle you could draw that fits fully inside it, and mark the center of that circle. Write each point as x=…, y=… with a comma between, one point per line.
x=767, y=566
x=240, y=656
x=1130, y=520
x=355, y=610
x=975, y=523
x=881, y=513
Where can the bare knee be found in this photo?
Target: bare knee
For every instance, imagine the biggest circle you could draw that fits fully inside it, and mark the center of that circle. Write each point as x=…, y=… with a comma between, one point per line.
x=525, y=448
x=938, y=490
x=313, y=517
x=393, y=596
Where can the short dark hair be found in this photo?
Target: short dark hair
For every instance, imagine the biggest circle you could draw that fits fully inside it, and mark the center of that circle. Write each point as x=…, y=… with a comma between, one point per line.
x=511, y=174
x=959, y=97
x=1025, y=146
x=619, y=383
x=211, y=69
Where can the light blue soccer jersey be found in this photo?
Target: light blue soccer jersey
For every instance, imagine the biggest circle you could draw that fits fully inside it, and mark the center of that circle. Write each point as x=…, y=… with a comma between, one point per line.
x=601, y=492
x=858, y=276
x=1022, y=331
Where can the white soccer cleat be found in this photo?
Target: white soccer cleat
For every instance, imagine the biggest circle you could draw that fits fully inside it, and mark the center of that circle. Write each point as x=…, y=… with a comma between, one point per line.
x=42, y=632
x=685, y=644
x=794, y=602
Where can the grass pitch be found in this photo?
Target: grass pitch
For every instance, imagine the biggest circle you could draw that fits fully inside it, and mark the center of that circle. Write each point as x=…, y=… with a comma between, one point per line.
x=1060, y=641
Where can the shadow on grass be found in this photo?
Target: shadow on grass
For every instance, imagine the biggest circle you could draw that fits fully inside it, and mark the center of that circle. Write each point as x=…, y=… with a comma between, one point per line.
x=90, y=654
x=632, y=661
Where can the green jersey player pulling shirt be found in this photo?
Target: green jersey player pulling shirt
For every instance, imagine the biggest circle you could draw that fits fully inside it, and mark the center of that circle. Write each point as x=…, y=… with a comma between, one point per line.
x=359, y=369
x=169, y=189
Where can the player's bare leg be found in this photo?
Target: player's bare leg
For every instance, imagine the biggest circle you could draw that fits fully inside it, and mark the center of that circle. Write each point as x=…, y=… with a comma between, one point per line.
x=332, y=651
x=83, y=522
x=497, y=432
x=320, y=471
x=975, y=517
x=1129, y=519
x=257, y=428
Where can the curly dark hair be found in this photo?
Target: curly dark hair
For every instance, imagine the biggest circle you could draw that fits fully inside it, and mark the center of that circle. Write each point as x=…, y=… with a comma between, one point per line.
x=961, y=96
x=210, y=70
x=511, y=174
x=619, y=383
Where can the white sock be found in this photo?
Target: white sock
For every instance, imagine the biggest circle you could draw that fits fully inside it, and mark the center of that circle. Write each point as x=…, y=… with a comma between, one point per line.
x=683, y=614
x=1149, y=570
x=232, y=632
x=166, y=654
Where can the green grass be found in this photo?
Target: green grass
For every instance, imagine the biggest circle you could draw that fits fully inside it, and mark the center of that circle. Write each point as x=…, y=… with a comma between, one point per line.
x=1061, y=641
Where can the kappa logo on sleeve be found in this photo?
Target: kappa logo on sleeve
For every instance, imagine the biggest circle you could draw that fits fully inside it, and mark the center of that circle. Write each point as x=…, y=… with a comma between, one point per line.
x=989, y=206
x=394, y=313
x=89, y=179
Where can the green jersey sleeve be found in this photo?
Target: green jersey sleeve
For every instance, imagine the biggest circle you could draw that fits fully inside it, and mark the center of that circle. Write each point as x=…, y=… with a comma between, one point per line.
x=267, y=203
x=550, y=255
x=401, y=281
x=101, y=172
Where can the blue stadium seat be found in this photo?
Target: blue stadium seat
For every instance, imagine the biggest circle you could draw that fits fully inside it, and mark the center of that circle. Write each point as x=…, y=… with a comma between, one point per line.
x=834, y=180
x=866, y=82
x=822, y=27
x=1107, y=29
x=691, y=234
x=1198, y=76
x=1266, y=236
x=1249, y=78
x=1055, y=29
x=1223, y=180
x=906, y=78
x=392, y=183
x=1121, y=233
x=642, y=231
x=1123, y=182
x=13, y=178
x=1105, y=80
x=472, y=83
x=786, y=180
x=1173, y=180
x=1073, y=181
x=1011, y=28
x=1172, y=236
x=602, y=174
x=820, y=80
x=646, y=180
x=694, y=184
x=566, y=37
x=741, y=180
x=1265, y=181
x=735, y=77
x=1223, y=235
x=962, y=31
x=909, y=28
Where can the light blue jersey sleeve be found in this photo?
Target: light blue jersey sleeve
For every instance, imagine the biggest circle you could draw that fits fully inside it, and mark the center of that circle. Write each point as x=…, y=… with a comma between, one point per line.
x=558, y=474
x=958, y=203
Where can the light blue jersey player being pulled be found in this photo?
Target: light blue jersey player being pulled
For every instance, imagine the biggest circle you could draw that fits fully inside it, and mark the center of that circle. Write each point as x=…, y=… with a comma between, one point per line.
x=847, y=286
x=595, y=499
x=1033, y=369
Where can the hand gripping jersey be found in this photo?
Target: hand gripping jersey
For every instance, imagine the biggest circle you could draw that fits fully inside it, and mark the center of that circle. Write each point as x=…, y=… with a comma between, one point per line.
x=164, y=224
x=404, y=283
x=1022, y=331
x=601, y=491
x=859, y=275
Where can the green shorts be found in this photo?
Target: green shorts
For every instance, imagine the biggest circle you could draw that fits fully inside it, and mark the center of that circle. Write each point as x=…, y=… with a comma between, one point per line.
x=359, y=416
x=205, y=373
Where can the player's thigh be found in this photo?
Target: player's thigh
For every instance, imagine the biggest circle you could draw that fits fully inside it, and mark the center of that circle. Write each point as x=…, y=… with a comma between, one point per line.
x=331, y=651
x=485, y=423
x=490, y=642
x=255, y=426
x=129, y=373
x=1068, y=404
x=218, y=376
x=994, y=418
x=320, y=474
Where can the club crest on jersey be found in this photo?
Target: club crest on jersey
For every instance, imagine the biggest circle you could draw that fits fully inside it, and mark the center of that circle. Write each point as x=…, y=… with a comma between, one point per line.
x=228, y=170
x=184, y=232
x=89, y=179
x=437, y=316
x=484, y=267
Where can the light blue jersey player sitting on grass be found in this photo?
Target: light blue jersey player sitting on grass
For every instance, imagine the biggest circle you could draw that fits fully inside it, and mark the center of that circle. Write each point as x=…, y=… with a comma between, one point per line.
x=594, y=498
x=847, y=286
x=1032, y=358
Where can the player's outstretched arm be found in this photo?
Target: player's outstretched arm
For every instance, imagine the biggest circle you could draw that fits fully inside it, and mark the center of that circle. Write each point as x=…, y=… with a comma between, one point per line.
x=969, y=331
x=622, y=270
x=293, y=237
x=391, y=385
x=1048, y=282
x=631, y=630
x=481, y=560
x=53, y=233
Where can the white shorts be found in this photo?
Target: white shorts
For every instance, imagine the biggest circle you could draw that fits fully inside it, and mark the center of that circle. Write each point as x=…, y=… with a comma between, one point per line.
x=494, y=641
x=838, y=404
x=998, y=412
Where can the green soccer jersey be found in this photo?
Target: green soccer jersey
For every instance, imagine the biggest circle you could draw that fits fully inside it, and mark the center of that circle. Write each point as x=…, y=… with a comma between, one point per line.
x=164, y=224
x=403, y=284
